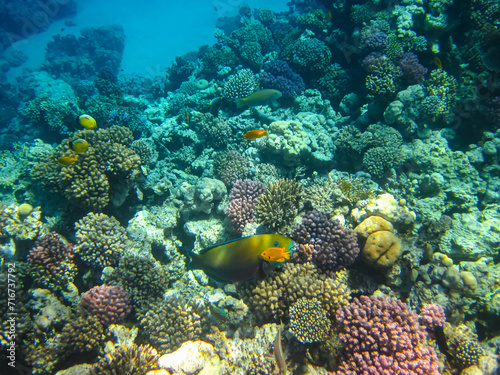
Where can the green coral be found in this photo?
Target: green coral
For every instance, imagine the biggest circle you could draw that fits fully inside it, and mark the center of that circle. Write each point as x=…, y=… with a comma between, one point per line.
x=444, y=87
x=100, y=240
x=279, y=204
x=309, y=321
x=45, y=112
x=309, y=55
x=315, y=21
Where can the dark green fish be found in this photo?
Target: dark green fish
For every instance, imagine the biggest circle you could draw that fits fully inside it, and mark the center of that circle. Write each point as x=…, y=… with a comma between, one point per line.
x=239, y=259
x=261, y=97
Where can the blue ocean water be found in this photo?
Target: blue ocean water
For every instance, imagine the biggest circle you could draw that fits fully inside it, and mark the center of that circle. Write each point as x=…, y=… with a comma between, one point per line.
x=249, y=187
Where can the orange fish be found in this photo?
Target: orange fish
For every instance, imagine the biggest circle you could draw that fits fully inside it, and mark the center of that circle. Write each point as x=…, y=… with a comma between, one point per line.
x=254, y=134
x=275, y=254
x=67, y=160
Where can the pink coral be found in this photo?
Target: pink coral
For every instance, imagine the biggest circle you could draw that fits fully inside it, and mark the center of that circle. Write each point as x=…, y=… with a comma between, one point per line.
x=432, y=315
x=244, y=196
x=382, y=336
x=110, y=303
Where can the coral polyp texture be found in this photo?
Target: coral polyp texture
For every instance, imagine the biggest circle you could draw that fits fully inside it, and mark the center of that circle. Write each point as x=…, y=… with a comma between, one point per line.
x=309, y=321
x=100, y=240
x=279, y=204
x=325, y=243
x=127, y=359
x=51, y=262
x=382, y=336
x=244, y=196
x=109, y=303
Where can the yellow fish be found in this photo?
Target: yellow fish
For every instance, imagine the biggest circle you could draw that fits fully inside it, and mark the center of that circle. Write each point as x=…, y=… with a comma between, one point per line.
x=87, y=122
x=262, y=97
x=254, y=134
x=275, y=254
x=438, y=62
x=239, y=259
x=67, y=160
x=79, y=145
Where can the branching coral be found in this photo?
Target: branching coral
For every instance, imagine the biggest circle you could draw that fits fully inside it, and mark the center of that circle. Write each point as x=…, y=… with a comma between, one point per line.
x=279, y=204
x=107, y=302
x=325, y=243
x=272, y=297
x=100, y=240
x=244, y=196
x=103, y=173
x=51, y=262
x=241, y=85
x=127, y=359
x=383, y=336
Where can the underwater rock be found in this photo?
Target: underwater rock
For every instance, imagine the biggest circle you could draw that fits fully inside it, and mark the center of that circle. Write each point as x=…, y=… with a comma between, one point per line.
x=206, y=232
x=473, y=235
x=191, y=358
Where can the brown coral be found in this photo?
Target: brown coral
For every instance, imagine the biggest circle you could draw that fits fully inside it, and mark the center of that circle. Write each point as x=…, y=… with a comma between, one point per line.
x=278, y=205
x=108, y=302
x=100, y=240
x=127, y=359
x=106, y=169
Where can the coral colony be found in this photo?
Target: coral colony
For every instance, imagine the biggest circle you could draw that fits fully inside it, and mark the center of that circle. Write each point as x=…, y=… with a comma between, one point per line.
x=318, y=191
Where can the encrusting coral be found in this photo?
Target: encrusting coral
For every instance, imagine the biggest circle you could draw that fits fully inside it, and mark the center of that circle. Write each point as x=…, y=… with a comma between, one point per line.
x=51, y=262
x=100, y=240
x=109, y=303
x=279, y=204
x=100, y=175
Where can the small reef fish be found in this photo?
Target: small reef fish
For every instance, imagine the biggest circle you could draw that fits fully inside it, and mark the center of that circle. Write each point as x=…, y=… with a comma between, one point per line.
x=219, y=313
x=237, y=260
x=79, y=145
x=87, y=122
x=438, y=62
x=262, y=97
x=215, y=105
x=278, y=353
x=275, y=254
x=187, y=117
x=67, y=160
x=254, y=134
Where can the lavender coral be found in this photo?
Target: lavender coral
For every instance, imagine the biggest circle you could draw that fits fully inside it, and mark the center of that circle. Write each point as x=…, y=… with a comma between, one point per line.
x=278, y=75
x=382, y=336
x=432, y=315
x=109, y=303
x=244, y=195
x=325, y=242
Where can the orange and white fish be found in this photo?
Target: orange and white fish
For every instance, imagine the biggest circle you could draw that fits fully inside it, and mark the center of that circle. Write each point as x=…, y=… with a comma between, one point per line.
x=275, y=254
x=254, y=134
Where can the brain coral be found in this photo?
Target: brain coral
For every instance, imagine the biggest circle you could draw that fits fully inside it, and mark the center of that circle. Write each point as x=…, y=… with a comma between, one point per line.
x=100, y=240
x=107, y=302
x=51, y=262
x=277, y=206
x=102, y=174
x=305, y=140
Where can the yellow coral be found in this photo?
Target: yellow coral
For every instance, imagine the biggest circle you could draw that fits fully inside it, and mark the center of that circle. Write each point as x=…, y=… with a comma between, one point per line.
x=382, y=249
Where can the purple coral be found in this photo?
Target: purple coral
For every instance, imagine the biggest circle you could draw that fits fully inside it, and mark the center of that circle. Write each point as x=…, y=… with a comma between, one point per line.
x=413, y=71
x=244, y=196
x=382, y=336
x=278, y=75
x=110, y=303
x=432, y=315
x=325, y=242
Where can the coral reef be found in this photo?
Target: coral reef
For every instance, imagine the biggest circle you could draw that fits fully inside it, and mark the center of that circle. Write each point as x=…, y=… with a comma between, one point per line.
x=126, y=359
x=100, y=240
x=308, y=321
x=279, y=204
x=20, y=227
x=107, y=302
x=51, y=262
x=325, y=243
x=383, y=336
x=244, y=196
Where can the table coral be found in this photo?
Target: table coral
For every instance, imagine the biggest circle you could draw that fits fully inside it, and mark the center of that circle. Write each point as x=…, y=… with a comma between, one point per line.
x=244, y=196
x=325, y=243
x=110, y=303
x=101, y=240
x=51, y=262
x=383, y=336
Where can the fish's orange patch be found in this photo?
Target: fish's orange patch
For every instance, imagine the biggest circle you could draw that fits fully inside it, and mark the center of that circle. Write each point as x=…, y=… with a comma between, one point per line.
x=254, y=134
